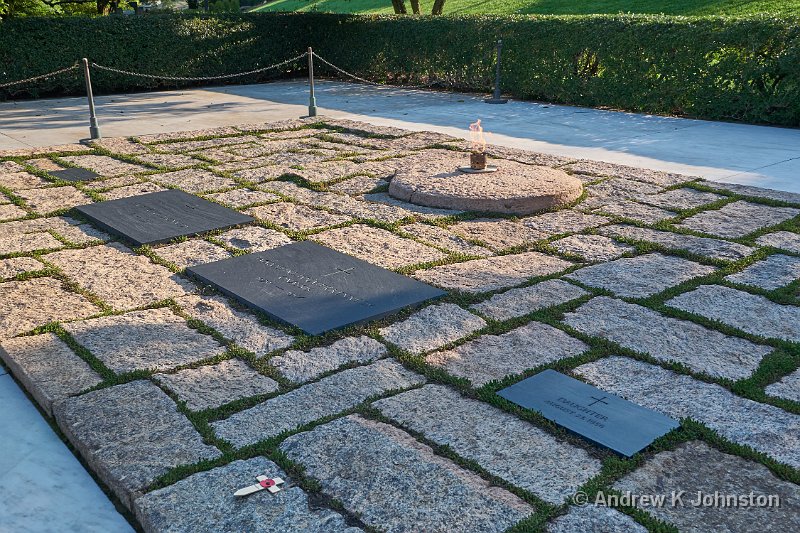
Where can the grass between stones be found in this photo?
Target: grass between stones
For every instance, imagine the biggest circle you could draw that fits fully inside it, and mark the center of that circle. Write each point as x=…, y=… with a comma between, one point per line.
x=784, y=359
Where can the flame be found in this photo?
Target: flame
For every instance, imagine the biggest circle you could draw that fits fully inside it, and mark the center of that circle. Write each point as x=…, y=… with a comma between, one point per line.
x=476, y=138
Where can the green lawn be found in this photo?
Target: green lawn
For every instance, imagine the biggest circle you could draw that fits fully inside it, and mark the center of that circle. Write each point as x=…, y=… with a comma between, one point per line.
x=552, y=7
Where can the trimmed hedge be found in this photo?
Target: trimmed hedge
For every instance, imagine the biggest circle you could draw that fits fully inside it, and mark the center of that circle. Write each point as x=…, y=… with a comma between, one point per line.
x=745, y=69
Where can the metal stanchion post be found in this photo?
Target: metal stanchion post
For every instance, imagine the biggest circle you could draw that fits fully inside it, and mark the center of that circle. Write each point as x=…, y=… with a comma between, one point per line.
x=496, y=98
x=312, y=100
x=94, y=129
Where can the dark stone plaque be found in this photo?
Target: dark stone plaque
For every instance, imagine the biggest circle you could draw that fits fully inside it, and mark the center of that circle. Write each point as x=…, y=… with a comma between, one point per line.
x=313, y=287
x=74, y=174
x=598, y=416
x=161, y=216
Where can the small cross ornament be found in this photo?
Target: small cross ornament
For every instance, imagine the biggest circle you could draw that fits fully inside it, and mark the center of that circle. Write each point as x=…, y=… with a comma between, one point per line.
x=264, y=482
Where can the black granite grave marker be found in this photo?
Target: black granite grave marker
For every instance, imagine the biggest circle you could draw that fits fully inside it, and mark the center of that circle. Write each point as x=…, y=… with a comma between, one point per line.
x=313, y=287
x=161, y=216
x=74, y=174
x=598, y=416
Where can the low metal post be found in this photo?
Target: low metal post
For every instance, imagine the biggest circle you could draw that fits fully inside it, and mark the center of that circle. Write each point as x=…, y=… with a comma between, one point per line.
x=312, y=100
x=94, y=128
x=496, y=98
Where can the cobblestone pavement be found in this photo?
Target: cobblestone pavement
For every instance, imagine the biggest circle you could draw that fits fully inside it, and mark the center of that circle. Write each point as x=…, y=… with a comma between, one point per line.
x=680, y=294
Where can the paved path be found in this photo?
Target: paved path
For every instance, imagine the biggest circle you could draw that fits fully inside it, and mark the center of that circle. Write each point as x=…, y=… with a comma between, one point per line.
x=654, y=288
x=736, y=153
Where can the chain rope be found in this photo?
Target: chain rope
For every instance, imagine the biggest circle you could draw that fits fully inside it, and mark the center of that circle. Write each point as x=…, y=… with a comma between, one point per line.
x=39, y=77
x=198, y=78
x=342, y=71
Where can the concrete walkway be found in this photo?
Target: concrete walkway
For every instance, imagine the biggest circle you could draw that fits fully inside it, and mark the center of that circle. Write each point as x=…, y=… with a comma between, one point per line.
x=736, y=153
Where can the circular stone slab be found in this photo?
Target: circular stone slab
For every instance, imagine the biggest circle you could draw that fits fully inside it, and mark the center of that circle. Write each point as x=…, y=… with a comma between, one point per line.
x=433, y=180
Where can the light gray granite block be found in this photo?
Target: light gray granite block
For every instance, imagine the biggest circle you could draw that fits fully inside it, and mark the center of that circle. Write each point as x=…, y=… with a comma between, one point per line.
x=396, y=484
x=641, y=276
x=25, y=305
x=594, y=519
x=238, y=326
x=759, y=192
x=299, y=366
x=254, y=238
x=788, y=387
x=504, y=445
x=493, y=357
x=48, y=368
x=695, y=468
x=646, y=214
x=707, y=247
x=443, y=238
x=329, y=396
x=763, y=427
x=432, y=327
x=594, y=248
x=378, y=246
x=786, y=240
x=751, y=313
x=677, y=199
x=492, y=273
x=564, y=221
x=18, y=265
x=119, y=277
x=668, y=339
x=205, y=502
x=191, y=253
x=519, y=302
x=210, y=386
x=772, y=273
x=151, y=339
x=738, y=219
x=130, y=435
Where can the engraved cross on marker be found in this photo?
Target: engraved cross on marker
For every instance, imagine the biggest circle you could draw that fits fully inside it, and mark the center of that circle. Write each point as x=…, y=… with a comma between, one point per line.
x=347, y=271
x=597, y=400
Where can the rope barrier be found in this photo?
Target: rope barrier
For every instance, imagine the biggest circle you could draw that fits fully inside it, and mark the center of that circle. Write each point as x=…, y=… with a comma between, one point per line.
x=39, y=77
x=94, y=128
x=197, y=78
x=342, y=71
